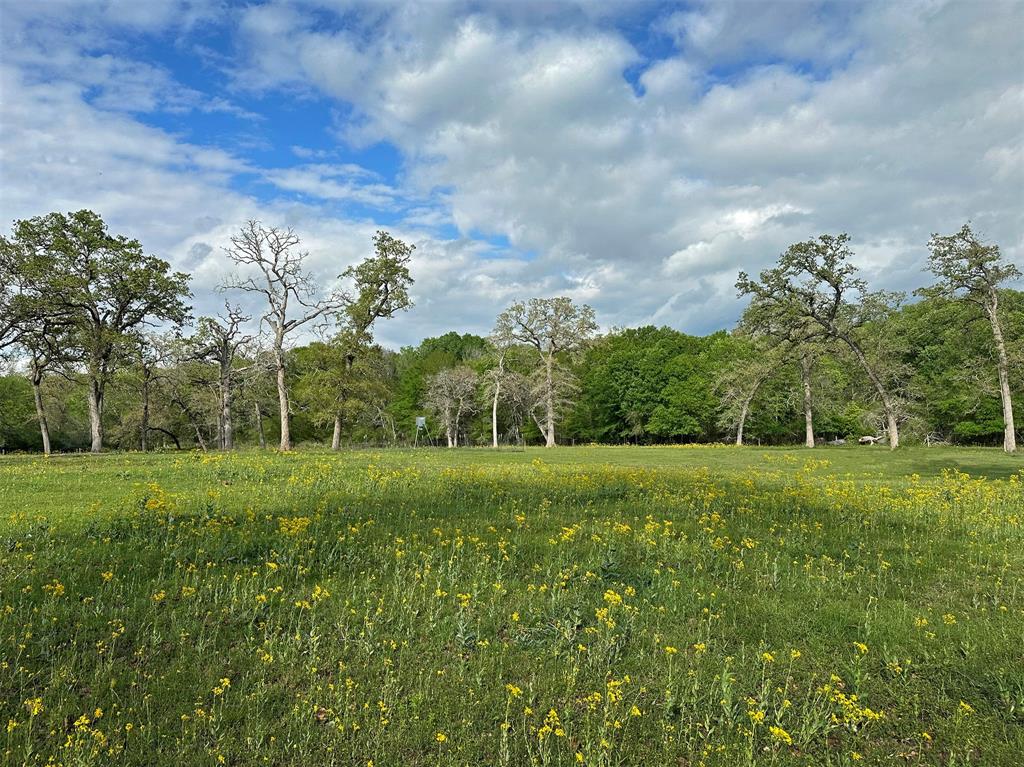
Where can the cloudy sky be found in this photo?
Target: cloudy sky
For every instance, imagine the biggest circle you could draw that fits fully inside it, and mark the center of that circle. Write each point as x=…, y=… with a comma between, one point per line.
x=633, y=155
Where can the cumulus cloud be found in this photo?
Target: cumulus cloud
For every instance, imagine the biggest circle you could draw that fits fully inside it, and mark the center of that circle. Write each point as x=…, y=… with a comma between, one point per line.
x=640, y=183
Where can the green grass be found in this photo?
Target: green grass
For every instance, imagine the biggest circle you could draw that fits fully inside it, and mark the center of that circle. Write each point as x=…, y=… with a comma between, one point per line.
x=619, y=606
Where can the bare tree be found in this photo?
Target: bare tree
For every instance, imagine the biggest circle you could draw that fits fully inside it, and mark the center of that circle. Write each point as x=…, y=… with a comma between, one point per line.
x=381, y=290
x=519, y=399
x=289, y=289
x=451, y=393
x=219, y=340
x=970, y=270
x=552, y=326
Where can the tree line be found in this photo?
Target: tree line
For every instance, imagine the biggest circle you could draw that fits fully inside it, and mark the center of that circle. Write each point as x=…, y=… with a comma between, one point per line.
x=102, y=351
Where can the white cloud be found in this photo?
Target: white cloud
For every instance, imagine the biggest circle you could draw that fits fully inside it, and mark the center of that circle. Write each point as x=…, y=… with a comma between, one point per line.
x=873, y=119
x=334, y=182
x=641, y=185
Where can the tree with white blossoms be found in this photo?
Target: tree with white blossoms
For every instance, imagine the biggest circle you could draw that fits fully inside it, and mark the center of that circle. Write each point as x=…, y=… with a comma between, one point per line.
x=553, y=327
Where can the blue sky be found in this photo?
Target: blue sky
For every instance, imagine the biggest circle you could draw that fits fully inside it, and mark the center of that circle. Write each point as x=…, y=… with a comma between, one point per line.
x=631, y=155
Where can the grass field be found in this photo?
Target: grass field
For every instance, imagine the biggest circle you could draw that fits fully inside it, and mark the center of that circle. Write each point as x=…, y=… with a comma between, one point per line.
x=597, y=606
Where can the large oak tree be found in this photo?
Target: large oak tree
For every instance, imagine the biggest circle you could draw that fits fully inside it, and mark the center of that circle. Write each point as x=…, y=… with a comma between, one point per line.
x=973, y=271
x=815, y=292
x=102, y=287
x=552, y=326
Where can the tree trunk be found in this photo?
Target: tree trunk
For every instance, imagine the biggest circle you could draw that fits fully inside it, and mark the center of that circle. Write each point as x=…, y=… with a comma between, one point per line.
x=743, y=420
x=494, y=403
x=549, y=414
x=892, y=427
x=805, y=371
x=494, y=413
x=1003, y=365
x=144, y=426
x=196, y=422
x=96, y=414
x=458, y=422
x=336, y=437
x=37, y=393
x=259, y=427
x=282, y=396
x=199, y=436
x=228, y=436
x=745, y=409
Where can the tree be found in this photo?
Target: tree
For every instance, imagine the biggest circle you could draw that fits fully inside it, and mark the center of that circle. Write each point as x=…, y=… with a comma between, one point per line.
x=186, y=384
x=810, y=292
x=338, y=383
x=782, y=336
x=552, y=326
x=25, y=323
x=518, y=397
x=451, y=394
x=381, y=289
x=647, y=384
x=219, y=340
x=972, y=271
x=11, y=315
x=153, y=356
x=806, y=369
x=43, y=339
x=103, y=286
x=287, y=287
x=951, y=356
x=415, y=365
x=742, y=380
x=495, y=378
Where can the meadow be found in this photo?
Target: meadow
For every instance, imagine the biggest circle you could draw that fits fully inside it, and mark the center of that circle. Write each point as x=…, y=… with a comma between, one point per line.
x=595, y=606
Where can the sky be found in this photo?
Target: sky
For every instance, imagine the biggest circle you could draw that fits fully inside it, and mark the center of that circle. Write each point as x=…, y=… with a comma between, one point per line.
x=631, y=155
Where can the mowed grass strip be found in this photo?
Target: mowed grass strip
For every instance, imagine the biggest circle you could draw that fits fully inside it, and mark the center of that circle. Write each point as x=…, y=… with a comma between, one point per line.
x=599, y=606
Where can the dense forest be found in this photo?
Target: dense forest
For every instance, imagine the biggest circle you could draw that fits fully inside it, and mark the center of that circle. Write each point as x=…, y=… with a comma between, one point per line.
x=101, y=351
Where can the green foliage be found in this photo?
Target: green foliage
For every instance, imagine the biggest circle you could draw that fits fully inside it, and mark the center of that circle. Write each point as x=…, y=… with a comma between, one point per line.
x=649, y=385
x=18, y=429
x=382, y=285
x=953, y=380
x=967, y=267
x=415, y=365
x=76, y=298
